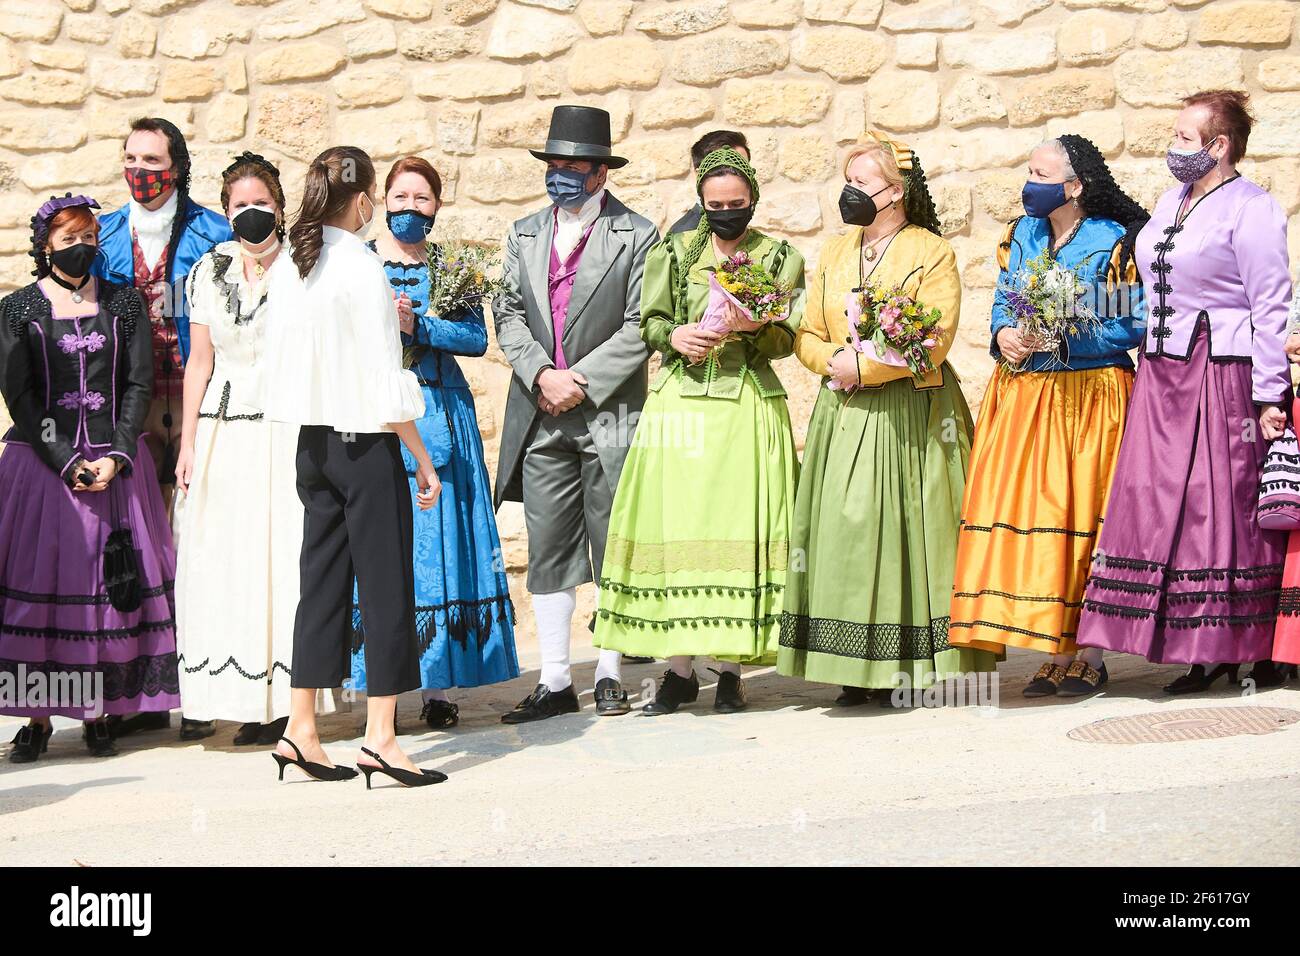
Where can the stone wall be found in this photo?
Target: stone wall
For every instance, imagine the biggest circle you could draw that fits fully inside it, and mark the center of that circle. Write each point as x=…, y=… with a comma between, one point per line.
x=974, y=86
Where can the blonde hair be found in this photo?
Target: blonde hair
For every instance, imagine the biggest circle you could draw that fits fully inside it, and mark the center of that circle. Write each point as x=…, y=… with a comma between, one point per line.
x=884, y=158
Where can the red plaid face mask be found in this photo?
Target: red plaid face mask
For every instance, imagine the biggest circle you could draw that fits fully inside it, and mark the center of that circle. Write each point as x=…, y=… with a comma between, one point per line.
x=147, y=185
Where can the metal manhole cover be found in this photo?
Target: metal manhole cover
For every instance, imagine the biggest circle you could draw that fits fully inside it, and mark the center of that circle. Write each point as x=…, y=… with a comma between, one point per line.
x=1202, y=723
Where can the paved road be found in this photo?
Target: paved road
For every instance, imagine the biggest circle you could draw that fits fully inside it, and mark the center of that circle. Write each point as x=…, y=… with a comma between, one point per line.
x=793, y=780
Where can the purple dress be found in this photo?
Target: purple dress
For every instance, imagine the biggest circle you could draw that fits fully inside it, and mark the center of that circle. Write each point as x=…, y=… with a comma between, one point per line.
x=80, y=387
x=1183, y=573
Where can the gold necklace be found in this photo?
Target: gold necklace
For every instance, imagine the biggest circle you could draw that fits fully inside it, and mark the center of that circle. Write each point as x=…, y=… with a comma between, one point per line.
x=869, y=247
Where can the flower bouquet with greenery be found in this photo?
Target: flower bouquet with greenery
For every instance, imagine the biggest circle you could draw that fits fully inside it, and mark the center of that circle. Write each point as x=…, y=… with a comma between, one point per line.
x=900, y=331
x=744, y=283
x=461, y=277
x=1046, y=300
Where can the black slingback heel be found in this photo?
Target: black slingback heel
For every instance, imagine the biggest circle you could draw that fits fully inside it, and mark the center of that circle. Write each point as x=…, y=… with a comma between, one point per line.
x=317, y=771
x=405, y=777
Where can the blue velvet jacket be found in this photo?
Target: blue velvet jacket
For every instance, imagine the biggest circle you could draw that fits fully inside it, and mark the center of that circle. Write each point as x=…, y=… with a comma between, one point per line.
x=115, y=262
x=1116, y=293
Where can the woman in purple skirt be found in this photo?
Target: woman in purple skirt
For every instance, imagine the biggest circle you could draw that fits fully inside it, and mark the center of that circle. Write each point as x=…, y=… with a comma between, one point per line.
x=1183, y=574
x=86, y=559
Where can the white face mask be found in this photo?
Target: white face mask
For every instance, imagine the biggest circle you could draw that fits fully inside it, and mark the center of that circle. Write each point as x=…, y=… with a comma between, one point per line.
x=365, y=223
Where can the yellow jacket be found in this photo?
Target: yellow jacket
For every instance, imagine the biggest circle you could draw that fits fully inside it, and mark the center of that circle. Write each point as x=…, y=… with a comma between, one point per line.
x=918, y=259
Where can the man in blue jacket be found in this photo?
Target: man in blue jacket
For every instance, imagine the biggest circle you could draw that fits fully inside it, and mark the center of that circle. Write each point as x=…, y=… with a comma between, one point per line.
x=151, y=243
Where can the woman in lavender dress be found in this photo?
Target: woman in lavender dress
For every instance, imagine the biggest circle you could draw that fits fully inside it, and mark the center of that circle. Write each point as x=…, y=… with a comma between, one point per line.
x=1183, y=574
x=76, y=371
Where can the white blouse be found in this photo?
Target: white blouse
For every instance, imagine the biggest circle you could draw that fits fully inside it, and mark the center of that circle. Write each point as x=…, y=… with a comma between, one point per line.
x=333, y=351
x=234, y=309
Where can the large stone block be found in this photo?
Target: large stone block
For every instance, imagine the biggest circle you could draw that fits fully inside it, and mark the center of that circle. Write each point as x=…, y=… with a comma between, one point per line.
x=1163, y=79
x=1093, y=36
x=1279, y=73
x=654, y=160
x=33, y=131
x=930, y=17
x=793, y=213
x=841, y=52
x=858, y=13
x=193, y=36
x=1162, y=31
x=806, y=157
x=604, y=17
x=1024, y=51
x=902, y=101
x=766, y=13
x=227, y=118
x=681, y=19
x=775, y=102
x=1247, y=23
x=665, y=109
x=91, y=165
x=136, y=36
x=1277, y=131
x=708, y=60
x=525, y=33
x=458, y=129
x=373, y=84
x=469, y=81
x=504, y=178
x=48, y=88
x=375, y=38
x=519, y=127
x=971, y=100
x=389, y=131
x=24, y=20
x=302, y=18
x=297, y=61
x=439, y=44
x=613, y=63
x=1105, y=128
x=1063, y=93
x=296, y=122
x=182, y=81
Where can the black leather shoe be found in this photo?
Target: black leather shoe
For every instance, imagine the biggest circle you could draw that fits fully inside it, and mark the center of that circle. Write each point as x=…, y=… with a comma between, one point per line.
x=1082, y=679
x=197, y=729
x=248, y=734
x=271, y=733
x=119, y=726
x=729, y=695
x=30, y=742
x=541, y=704
x=611, y=698
x=98, y=740
x=1270, y=674
x=439, y=714
x=673, y=692
x=1047, y=682
x=1197, y=679
x=853, y=696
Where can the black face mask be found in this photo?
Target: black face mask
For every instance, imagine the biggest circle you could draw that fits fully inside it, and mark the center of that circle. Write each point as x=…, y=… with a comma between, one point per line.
x=75, y=260
x=729, y=223
x=253, y=224
x=856, y=207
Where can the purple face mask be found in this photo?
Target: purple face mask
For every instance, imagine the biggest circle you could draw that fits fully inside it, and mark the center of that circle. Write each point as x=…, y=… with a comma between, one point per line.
x=1190, y=165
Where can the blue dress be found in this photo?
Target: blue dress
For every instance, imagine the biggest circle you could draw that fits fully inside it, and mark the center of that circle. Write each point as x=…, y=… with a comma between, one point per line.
x=463, y=613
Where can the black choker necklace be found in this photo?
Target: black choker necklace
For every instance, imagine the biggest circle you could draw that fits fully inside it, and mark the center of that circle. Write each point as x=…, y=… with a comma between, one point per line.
x=74, y=289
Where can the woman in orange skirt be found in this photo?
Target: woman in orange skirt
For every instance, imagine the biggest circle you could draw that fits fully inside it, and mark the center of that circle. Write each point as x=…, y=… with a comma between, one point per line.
x=1050, y=426
x=1286, y=638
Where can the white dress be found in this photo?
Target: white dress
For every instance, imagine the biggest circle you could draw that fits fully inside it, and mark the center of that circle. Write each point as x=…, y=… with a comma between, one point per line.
x=240, y=529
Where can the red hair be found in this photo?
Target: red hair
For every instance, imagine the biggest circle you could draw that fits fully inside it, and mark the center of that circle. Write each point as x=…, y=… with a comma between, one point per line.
x=78, y=217
x=1229, y=115
x=421, y=167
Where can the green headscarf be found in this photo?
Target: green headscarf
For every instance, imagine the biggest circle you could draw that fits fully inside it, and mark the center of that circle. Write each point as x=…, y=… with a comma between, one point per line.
x=719, y=158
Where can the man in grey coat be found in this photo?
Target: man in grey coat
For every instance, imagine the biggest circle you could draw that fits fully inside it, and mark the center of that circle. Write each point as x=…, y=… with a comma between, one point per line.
x=568, y=319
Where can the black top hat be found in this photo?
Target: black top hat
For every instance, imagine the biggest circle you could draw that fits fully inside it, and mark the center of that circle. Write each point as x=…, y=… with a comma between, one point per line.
x=579, y=132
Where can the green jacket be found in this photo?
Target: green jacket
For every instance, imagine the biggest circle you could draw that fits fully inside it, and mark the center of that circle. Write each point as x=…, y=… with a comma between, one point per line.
x=749, y=353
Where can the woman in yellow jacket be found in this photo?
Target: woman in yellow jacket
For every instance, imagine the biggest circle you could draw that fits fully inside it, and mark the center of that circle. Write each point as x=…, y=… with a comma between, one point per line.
x=879, y=499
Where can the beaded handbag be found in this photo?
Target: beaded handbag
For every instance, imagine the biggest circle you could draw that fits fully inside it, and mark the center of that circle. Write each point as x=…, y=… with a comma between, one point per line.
x=1279, y=486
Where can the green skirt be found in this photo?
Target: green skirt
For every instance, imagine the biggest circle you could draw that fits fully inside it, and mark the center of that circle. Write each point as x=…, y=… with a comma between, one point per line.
x=699, y=534
x=875, y=539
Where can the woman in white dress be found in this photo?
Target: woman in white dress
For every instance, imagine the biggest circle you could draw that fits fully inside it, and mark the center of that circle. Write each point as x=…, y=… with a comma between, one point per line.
x=240, y=527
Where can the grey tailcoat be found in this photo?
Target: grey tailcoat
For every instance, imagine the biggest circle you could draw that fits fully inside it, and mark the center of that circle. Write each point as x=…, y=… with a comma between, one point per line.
x=601, y=336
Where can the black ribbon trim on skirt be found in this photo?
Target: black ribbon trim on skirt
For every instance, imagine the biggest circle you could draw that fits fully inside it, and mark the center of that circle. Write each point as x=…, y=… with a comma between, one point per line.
x=1250, y=573
x=1289, y=601
x=691, y=590
x=464, y=621
x=150, y=676
x=1016, y=597
x=34, y=597
x=1178, y=623
x=103, y=634
x=868, y=642
x=1015, y=630
x=1026, y=531
x=707, y=620
x=231, y=662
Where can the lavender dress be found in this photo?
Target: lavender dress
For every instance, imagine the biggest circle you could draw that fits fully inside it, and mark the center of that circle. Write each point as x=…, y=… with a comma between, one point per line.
x=80, y=386
x=1182, y=572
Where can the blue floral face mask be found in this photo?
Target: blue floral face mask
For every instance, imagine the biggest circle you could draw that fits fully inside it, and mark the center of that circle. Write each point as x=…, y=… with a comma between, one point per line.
x=567, y=187
x=1042, y=199
x=409, y=225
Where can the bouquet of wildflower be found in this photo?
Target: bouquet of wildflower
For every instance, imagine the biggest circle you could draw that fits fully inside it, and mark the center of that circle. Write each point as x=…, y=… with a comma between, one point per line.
x=900, y=330
x=748, y=286
x=1045, y=299
x=461, y=276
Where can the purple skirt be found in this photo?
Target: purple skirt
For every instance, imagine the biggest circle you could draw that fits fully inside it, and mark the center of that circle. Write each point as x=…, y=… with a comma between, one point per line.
x=1183, y=573
x=59, y=634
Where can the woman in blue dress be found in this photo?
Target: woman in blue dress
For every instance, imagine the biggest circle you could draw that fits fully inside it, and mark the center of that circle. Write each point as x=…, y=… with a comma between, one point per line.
x=464, y=616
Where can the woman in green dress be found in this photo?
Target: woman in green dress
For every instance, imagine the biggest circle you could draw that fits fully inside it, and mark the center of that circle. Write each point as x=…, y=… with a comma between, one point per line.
x=699, y=536
x=875, y=520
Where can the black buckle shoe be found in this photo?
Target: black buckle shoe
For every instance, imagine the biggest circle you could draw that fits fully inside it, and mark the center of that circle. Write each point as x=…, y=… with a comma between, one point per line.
x=119, y=726
x=272, y=732
x=30, y=742
x=853, y=696
x=98, y=740
x=729, y=695
x=248, y=734
x=541, y=704
x=672, y=693
x=611, y=698
x=197, y=729
x=1047, y=681
x=1082, y=679
x=439, y=714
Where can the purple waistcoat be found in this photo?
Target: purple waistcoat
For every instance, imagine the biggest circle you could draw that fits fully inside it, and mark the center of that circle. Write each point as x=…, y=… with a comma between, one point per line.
x=560, y=283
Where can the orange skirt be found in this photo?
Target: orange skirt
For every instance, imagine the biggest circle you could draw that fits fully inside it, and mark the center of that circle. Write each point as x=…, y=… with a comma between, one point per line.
x=1040, y=473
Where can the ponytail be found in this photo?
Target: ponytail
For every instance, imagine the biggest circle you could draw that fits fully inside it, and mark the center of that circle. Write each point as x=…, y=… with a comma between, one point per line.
x=333, y=179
